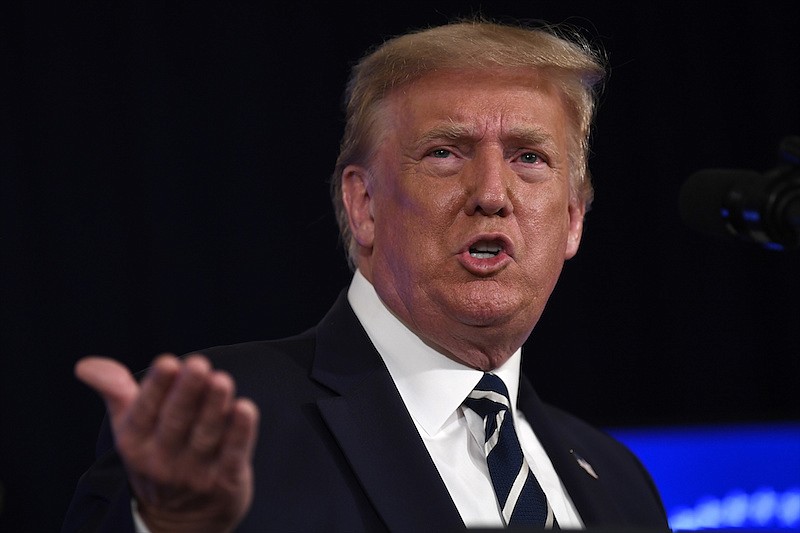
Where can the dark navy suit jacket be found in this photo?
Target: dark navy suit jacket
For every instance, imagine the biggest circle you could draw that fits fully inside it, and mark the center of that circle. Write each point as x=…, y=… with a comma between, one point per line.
x=338, y=451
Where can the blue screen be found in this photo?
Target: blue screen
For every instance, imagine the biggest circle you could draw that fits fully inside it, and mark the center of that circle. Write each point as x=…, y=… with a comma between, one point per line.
x=723, y=477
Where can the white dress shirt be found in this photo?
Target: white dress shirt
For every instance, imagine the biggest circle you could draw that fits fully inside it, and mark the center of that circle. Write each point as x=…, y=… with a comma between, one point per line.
x=433, y=387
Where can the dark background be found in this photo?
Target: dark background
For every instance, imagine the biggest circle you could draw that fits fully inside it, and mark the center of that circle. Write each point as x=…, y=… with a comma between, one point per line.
x=164, y=189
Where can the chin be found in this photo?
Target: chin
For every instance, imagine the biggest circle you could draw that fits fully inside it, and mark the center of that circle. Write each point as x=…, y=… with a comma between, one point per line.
x=485, y=308
x=483, y=362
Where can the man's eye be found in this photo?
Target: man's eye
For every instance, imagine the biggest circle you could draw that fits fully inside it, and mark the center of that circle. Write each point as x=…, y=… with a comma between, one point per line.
x=441, y=153
x=529, y=157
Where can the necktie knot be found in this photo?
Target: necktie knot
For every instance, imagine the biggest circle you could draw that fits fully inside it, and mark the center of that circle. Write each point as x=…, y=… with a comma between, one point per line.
x=490, y=396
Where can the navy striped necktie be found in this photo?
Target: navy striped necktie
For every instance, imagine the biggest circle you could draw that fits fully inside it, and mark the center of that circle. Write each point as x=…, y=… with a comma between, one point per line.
x=521, y=499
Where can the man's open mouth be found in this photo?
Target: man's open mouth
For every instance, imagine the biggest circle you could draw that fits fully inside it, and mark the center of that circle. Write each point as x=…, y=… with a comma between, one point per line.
x=484, y=250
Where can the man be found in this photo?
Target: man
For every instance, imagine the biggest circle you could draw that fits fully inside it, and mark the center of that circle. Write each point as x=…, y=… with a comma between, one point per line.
x=461, y=189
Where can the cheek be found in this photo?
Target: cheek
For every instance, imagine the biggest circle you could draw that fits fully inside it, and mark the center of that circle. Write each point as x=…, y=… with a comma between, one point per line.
x=423, y=207
x=546, y=225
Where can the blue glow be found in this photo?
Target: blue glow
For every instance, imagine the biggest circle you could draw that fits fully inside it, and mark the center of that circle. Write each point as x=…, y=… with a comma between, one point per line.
x=725, y=212
x=773, y=246
x=750, y=215
x=724, y=477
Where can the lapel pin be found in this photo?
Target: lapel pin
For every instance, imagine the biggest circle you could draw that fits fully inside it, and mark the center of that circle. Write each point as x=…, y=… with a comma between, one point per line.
x=583, y=463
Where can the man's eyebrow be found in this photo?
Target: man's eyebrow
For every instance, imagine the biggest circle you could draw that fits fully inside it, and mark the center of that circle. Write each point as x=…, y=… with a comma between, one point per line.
x=533, y=137
x=530, y=135
x=450, y=131
x=455, y=131
x=522, y=137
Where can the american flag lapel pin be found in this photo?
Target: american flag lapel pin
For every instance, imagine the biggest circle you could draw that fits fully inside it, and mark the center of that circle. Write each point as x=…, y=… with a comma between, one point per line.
x=583, y=463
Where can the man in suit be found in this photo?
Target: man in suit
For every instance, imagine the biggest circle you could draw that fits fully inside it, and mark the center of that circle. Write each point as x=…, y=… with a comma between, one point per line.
x=460, y=188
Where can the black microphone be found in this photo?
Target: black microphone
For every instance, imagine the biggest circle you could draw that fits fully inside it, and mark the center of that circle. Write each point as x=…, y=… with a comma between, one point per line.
x=747, y=206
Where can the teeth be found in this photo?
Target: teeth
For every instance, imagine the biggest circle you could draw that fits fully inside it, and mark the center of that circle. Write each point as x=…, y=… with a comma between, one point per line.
x=484, y=250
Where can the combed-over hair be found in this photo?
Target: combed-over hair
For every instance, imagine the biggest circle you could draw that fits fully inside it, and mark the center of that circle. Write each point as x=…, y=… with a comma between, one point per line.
x=563, y=56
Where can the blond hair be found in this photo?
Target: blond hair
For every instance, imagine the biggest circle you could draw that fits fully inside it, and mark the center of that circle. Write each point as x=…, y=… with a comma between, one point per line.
x=571, y=63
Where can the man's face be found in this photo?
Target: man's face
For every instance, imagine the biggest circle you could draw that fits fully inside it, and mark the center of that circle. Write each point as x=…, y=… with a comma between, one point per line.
x=464, y=216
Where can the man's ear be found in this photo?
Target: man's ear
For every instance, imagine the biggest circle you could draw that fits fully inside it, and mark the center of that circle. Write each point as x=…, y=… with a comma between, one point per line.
x=577, y=211
x=356, y=194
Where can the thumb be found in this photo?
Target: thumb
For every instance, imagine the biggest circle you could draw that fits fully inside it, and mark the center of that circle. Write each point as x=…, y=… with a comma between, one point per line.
x=111, y=380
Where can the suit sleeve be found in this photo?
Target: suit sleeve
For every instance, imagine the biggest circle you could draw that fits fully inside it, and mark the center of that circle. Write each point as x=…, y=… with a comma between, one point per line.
x=102, y=500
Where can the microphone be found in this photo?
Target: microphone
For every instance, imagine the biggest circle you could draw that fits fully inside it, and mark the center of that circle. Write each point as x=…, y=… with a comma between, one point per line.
x=747, y=206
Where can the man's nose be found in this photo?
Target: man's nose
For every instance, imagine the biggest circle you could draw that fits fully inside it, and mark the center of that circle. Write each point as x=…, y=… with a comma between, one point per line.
x=488, y=180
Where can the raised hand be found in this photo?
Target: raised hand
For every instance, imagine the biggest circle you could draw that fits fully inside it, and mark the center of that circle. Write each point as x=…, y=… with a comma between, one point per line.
x=185, y=439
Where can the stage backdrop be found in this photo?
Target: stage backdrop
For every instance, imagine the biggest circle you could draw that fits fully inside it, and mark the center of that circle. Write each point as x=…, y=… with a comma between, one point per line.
x=164, y=188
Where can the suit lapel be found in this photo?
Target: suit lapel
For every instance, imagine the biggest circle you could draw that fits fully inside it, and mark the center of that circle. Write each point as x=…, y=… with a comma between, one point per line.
x=593, y=503
x=375, y=431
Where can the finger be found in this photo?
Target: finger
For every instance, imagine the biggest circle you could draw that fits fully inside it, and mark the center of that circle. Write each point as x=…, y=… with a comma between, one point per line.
x=239, y=443
x=183, y=402
x=144, y=413
x=206, y=436
x=111, y=380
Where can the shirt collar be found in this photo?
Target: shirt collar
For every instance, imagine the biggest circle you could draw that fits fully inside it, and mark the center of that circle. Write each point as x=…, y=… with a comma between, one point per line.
x=432, y=385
